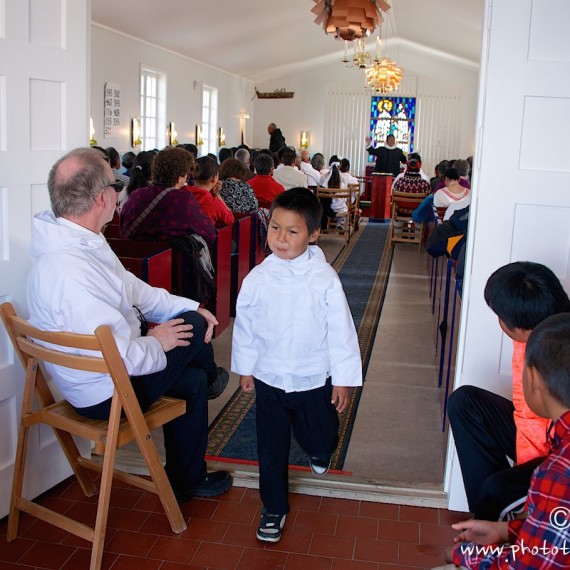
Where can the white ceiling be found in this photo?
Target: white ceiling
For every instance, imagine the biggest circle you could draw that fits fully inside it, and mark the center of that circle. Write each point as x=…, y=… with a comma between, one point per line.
x=260, y=39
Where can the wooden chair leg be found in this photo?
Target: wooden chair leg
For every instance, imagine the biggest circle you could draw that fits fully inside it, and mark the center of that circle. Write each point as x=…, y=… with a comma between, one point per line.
x=17, y=482
x=85, y=477
x=158, y=475
x=106, y=484
x=21, y=449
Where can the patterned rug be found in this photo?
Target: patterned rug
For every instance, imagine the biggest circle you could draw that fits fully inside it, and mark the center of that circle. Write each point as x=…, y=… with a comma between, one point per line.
x=363, y=267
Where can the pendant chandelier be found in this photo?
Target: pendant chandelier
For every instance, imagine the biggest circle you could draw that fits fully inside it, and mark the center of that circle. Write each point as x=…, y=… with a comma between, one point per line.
x=384, y=75
x=360, y=58
x=349, y=19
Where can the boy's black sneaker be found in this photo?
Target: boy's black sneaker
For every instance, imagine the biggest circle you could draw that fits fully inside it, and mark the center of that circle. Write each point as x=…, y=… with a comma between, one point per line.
x=216, y=388
x=318, y=467
x=270, y=526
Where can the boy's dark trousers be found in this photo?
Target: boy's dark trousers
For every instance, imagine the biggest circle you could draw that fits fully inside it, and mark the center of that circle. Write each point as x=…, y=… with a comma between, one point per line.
x=315, y=425
x=485, y=434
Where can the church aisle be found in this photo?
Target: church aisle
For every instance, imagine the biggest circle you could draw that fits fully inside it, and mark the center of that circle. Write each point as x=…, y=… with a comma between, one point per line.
x=397, y=436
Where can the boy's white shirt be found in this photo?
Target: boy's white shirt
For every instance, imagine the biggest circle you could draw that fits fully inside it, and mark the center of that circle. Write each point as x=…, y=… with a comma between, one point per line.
x=293, y=326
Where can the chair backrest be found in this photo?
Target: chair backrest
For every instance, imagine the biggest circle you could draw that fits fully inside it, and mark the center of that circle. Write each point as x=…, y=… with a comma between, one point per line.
x=406, y=201
x=354, y=190
x=333, y=192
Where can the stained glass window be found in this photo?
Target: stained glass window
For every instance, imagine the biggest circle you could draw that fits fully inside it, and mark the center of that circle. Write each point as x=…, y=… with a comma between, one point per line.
x=393, y=116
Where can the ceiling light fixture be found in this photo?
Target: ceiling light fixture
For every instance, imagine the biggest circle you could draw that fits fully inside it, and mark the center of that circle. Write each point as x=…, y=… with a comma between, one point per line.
x=361, y=58
x=384, y=75
x=349, y=19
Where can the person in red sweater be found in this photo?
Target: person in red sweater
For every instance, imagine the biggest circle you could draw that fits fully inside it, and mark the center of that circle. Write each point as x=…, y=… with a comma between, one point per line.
x=263, y=183
x=206, y=190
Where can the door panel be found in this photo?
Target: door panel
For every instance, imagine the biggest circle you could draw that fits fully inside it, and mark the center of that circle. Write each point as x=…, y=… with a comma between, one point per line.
x=520, y=208
x=44, y=69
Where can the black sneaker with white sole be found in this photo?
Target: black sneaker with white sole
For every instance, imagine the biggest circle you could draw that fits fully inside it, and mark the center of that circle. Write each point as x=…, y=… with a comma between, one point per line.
x=319, y=467
x=270, y=526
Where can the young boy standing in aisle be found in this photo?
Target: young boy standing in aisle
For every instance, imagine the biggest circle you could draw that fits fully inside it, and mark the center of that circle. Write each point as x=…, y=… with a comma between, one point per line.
x=294, y=340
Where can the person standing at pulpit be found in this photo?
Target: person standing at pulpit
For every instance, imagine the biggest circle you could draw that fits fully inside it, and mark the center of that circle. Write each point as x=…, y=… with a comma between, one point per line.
x=388, y=157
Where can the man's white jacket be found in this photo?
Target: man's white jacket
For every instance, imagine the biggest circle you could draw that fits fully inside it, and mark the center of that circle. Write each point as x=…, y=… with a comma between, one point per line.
x=77, y=284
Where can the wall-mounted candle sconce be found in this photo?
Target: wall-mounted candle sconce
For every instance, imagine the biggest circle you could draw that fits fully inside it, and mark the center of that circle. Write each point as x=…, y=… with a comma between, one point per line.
x=135, y=132
x=199, y=140
x=172, y=134
x=242, y=118
x=92, y=140
x=304, y=139
x=221, y=137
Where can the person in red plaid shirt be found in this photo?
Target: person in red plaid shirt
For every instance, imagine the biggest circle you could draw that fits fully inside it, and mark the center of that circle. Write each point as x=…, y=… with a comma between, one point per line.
x=542, y=540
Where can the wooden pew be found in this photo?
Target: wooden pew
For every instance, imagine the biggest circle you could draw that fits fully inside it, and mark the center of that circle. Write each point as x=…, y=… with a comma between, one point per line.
x=257, y=246
x=241, y=258
x=150, y=261
x=222, y=258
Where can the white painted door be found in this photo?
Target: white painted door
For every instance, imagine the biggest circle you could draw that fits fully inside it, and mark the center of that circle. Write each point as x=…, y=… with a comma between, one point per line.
x=521, y=201
x=44, y=71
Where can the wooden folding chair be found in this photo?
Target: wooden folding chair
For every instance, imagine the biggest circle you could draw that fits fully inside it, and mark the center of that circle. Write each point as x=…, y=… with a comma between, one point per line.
x=402, y=227
x=343, y=229
x=107, y=435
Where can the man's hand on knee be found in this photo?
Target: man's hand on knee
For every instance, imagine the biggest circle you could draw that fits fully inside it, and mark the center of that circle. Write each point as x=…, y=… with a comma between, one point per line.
x=172, y=333
x=211, y=322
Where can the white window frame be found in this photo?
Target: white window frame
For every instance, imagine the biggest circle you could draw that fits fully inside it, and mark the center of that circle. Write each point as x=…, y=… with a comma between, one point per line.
x=153, y=108
x=209, y=120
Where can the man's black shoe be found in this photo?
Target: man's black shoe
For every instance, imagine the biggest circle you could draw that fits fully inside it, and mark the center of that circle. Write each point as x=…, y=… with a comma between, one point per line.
x=216, y=388
x=212, y=485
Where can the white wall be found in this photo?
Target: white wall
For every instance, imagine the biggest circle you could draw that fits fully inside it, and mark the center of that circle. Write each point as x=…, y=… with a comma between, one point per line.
x=117, y=58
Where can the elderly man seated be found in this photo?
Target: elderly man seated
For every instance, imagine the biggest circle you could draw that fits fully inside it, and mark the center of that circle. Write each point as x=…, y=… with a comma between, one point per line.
x=78, y=283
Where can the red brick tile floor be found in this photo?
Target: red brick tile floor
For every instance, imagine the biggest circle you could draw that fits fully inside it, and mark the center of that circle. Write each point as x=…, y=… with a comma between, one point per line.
x=320, y=533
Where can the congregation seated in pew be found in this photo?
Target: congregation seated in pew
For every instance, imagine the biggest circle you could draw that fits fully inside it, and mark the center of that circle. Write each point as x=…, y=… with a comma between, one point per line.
x=334, y=209
x=206, y=190
x=235, y=192
x=453, y=196
x=141, y=174
x=427, y=211
x=263, y=183
x=175, y=212
x=412, y=182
